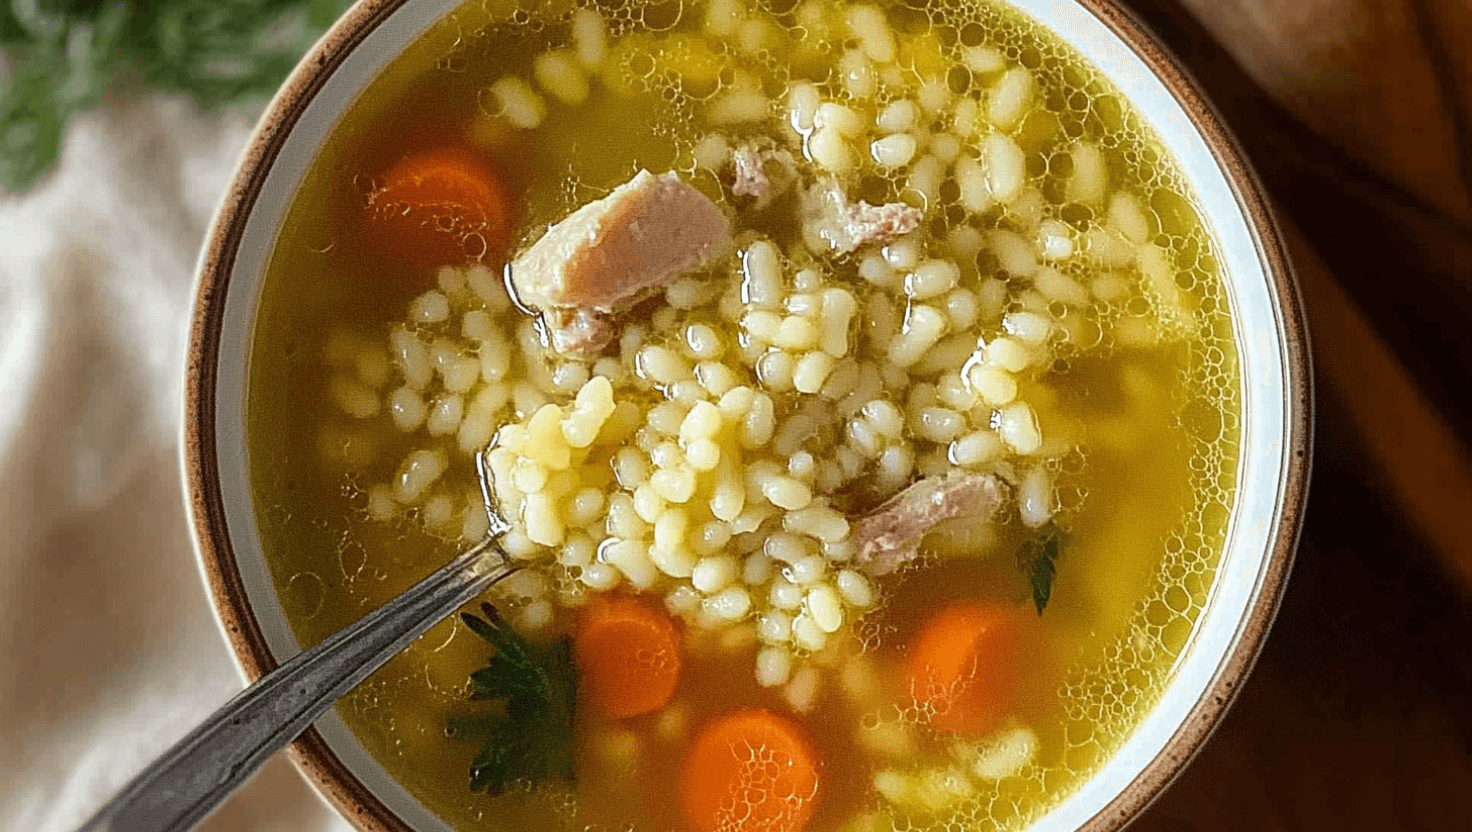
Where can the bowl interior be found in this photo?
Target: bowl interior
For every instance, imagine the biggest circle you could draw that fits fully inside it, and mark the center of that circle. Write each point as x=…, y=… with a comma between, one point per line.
x=1269, y=478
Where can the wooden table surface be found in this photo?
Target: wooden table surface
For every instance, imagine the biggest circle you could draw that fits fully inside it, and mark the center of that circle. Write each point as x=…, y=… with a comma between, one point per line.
x=1356, y=114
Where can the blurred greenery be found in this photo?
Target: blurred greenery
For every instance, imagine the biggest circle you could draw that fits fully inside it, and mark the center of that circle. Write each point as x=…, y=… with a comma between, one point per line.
x=61, y=57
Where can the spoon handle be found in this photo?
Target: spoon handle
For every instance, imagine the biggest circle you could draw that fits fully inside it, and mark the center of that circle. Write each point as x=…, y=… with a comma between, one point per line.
x=180, y=788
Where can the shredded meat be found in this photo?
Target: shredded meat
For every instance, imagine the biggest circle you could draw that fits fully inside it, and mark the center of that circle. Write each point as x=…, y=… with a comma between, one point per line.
x=830, y=221
x=762, y=173
x=612, y=253
x=578, y=331
x=751, y=180
x=889, y=536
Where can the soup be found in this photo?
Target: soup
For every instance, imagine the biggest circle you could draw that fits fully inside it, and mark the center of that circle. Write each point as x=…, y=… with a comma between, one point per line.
x=861, y=392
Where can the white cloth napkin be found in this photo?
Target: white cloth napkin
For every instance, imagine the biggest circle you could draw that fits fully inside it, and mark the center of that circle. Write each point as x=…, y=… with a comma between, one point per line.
x=108, y=649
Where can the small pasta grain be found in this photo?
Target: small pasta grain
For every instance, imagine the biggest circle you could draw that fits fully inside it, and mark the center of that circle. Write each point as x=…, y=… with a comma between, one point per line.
x=856, y=589
x=1055, y=240
x=774, y=370
x=1035, y=503
x=558, y=73
x=786, y=493
x=938, y=424
x=739, y=107
x=1059, y=287
x=971, y=180
x=825, y=607
x=1010, y=98
x=353, y=397
x=893, y=151
x=773, y=666
x=802, y=106
x=411, y=356
x=730, y=604
x=924, y=325
x=589, y=37
x=676, y=485
x=600, y=576
x=1017, y=425
x=543, y=522
x=632, y=559
x=993, y=385
x=831, y=150
x=711, y=537
x=806, y=633
x=714, y=574
x=756, y=569
x=518, y=103
x=898, y=116
x=833, y=116
x=1006, y=167
x=869, y=25
x=1028, y=327
x=1008, y=354
x=444, y=417
x=961, y=308
x=931, y=278
x=1089, y=180
x=623, y=519
x=785, y=595
x=811, y=371
x=975, y=448
x=429, y=308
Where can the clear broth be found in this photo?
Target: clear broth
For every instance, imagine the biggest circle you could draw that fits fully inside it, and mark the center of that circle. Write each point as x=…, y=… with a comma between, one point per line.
x=1149, y=498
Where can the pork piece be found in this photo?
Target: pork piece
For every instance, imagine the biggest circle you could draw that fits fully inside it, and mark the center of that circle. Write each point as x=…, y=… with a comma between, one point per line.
x=762, y=173
x=614, y=252
x=830, y=221
x=889, y=536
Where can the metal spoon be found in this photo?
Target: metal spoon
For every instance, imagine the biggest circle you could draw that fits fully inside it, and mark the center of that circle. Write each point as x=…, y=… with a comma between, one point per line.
x=184, y=785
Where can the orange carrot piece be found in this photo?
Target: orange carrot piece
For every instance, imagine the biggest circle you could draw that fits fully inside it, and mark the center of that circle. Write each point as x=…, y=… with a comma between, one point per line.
x=963, y=666
x=751, y=771
x=441, y=207
x=628, y=656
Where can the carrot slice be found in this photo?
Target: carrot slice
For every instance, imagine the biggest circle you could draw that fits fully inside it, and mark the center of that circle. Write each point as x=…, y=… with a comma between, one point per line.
x=963, y=667
x=628, y=656
x=751, y=771
x=441, y=207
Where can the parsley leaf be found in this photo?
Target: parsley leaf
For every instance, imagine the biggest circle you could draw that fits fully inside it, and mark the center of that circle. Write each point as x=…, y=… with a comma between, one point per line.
x=1038, y=560
x=527, y=736
x=59, y=58
x=31, y=124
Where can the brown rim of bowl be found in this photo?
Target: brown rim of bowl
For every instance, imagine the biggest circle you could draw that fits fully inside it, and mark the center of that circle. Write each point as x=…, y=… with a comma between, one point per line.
x=311, y=754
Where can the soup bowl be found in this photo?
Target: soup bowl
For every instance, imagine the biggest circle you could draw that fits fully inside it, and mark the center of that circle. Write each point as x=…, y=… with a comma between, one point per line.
x=1270, y=480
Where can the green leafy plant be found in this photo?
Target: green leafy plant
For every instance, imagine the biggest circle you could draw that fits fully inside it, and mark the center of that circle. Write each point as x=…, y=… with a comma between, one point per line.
x=527, y=734
x=61, y=57
x=1037, y=557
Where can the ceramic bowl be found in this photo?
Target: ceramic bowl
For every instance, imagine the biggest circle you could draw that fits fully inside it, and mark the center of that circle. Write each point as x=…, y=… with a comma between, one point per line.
x=1275, y=438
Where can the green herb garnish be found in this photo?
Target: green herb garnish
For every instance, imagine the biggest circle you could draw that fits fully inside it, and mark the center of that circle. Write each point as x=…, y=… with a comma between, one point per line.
x=61, y=57
x=528, y=735
x=1038, y=560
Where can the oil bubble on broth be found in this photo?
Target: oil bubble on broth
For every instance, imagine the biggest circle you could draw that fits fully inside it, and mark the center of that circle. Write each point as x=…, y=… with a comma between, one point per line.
x=957, y=261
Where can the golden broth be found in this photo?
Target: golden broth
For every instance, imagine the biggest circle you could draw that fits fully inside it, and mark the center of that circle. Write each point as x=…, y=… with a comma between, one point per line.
x=1146, y=492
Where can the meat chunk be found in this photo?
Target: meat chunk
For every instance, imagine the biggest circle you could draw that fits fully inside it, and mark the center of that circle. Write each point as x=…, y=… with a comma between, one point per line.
x=612, y=253
x=890, y=535
x=578, y=331
x=751, y=179
x=830, y=221
x=762, y=173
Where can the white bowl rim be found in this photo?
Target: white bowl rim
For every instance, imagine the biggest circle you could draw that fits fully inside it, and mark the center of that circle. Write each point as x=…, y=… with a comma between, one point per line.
x=233, y=259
